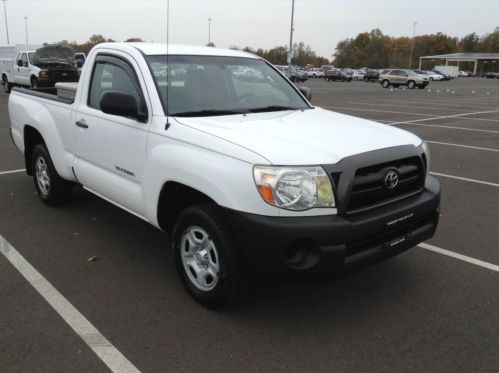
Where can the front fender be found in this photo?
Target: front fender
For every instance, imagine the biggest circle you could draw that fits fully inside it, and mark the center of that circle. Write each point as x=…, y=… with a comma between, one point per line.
x=226, y=180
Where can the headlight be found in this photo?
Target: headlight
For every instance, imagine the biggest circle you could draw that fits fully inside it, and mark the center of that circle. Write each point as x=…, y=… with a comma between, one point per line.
x=294, y=188
x=426, y=150
x=43, y=74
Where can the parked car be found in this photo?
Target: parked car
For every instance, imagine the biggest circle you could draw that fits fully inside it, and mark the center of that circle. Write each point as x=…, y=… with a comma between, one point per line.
x=432, y=75
x=315, y=73
x=371, y=76
x=443, y=75
x=464, y=74
x=492, y=75
x=358, y=75
x=398, y=77
x=337, y=75
x=247, y=181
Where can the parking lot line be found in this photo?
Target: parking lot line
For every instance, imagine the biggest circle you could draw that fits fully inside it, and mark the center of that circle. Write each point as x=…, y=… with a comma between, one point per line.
x=407, y=106
x=462, y=146
x=90, y=335
x=442, y=126
x=461, y=257
x=465, y=179
x=12, y=172
x=445, y=105
x=450, y=116
x=378, y=111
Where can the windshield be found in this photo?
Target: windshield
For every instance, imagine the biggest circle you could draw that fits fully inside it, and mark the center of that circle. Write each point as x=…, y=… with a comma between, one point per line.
x=212, y=85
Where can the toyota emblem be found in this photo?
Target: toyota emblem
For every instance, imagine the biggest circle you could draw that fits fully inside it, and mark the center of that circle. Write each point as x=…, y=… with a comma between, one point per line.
x=391, y=179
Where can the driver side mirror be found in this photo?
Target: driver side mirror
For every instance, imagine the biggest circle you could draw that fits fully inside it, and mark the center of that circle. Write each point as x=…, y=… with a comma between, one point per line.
x=305, y=91
x=122, y=104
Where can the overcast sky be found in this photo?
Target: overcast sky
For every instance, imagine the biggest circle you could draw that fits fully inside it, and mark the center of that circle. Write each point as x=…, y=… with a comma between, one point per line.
x=255, y=23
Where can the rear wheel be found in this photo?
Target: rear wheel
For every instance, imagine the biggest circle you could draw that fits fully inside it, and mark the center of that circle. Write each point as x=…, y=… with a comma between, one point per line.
x=50, y=187
x=206, y=257
x=385, y=83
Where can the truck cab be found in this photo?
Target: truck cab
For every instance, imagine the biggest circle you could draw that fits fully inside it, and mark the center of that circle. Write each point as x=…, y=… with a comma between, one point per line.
x=24, y=70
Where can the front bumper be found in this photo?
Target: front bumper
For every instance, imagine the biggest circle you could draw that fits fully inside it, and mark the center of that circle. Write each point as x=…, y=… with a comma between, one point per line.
x=335, y=244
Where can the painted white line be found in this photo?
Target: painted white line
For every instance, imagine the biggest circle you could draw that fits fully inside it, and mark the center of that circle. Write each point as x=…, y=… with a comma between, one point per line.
x=461, y=257
x=445, y=105
x=462, y=146
x=441, y=126
x=465, y=179
x=481, y=119
x=11, y=172
x=450, y=116
x=379, y=111
x=409, y=107
x=92, y=337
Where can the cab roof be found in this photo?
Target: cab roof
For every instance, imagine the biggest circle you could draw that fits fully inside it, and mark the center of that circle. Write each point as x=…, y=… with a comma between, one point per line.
x=176, y=49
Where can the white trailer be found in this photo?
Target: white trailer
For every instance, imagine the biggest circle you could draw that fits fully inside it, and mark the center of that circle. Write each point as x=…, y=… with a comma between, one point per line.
x=452, y=71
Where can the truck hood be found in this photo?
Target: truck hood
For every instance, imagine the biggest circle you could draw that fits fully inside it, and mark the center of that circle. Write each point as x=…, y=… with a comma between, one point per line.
x=53, y=54
x=309, y=137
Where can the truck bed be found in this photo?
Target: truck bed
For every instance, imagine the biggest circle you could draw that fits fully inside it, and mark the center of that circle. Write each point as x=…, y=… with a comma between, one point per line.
x=45, y=93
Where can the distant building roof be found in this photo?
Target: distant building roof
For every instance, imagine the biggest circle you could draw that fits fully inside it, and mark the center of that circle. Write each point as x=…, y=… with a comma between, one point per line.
x=465, y=56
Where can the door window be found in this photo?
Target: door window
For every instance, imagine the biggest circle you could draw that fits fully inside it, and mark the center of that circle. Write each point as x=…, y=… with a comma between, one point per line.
x=24, y=58
x=110, y=77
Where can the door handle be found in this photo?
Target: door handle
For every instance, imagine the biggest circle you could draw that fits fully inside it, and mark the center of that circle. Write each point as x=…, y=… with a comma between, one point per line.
x=81, y=124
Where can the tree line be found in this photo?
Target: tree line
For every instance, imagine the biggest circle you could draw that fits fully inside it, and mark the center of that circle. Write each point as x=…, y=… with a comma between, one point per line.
x=376, y=50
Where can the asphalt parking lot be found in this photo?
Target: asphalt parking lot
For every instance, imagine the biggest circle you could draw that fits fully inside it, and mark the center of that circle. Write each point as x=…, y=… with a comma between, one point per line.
x=433, y=308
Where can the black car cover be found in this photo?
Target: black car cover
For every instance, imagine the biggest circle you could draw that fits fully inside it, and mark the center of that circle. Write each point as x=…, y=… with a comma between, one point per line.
x=56, y=53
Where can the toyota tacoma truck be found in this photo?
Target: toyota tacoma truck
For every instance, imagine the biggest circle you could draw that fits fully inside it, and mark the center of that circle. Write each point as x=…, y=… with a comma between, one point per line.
x=248, y=177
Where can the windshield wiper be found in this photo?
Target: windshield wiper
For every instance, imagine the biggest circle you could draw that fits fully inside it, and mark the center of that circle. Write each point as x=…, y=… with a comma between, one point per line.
x=272, y=108
x=208, y=113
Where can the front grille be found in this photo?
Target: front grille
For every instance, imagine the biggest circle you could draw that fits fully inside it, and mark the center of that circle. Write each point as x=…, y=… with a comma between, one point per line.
x=64, y=75
x=369, y=189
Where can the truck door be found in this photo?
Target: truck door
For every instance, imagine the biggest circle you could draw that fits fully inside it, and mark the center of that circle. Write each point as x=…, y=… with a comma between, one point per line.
x=21, y=73
x=111, y=149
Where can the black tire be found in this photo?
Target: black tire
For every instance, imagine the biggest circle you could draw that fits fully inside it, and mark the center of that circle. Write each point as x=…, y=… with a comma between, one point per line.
x=34, y=83
x=57, y=191
x=231, y=284
x=366, y=80
x=411, y=84
x=7, y=87
x=385, y=83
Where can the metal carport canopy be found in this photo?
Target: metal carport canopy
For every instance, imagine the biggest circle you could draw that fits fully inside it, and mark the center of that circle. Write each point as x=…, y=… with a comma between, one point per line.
x=462, y=57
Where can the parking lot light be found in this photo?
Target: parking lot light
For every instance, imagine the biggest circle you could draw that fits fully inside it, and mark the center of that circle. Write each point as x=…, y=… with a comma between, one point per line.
x=6, y=24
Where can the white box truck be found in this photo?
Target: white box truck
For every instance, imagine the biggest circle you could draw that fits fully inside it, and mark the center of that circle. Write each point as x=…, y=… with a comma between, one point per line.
x=450, y=71
x=10, y=69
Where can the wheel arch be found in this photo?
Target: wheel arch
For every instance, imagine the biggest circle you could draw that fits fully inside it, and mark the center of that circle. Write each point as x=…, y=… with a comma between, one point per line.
x=32, y=137
x=173, y=199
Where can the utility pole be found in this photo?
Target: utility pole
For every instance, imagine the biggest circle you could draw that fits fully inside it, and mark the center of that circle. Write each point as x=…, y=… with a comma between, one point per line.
x=209, y=30
x=290, y=54
x=6, y=25
x=412, y=47
x=26, y=24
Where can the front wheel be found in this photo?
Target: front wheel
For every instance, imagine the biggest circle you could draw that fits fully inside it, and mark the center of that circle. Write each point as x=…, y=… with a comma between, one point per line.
x=206, y=257
x=34, y=83
x=411, y=84
x=7, y=87
x=385, y=83
x=50, y=187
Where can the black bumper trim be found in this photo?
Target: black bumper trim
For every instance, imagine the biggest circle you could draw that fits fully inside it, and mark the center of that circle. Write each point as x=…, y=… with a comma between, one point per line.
x=337, y=243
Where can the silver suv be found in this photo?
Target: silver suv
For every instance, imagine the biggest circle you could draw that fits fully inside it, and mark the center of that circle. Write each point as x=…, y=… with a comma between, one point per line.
x=398, y=77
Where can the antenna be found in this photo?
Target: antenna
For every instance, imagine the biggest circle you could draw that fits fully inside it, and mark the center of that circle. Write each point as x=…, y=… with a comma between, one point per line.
x=168, y=72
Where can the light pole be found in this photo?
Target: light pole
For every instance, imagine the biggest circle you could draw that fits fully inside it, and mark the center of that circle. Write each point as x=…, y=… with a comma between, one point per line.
x=26, y=24
x=6, y=25
x=291, y=37
x=209, y=30
x=412, y=46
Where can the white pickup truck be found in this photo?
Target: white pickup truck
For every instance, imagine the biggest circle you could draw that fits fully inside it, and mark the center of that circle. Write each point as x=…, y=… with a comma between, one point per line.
x=247, y=175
